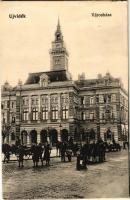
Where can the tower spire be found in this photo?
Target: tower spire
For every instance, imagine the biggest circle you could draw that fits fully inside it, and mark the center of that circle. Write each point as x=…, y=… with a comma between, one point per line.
x=58, y=25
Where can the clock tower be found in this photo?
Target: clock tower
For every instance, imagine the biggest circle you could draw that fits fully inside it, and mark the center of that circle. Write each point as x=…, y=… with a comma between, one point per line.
x=58, y=53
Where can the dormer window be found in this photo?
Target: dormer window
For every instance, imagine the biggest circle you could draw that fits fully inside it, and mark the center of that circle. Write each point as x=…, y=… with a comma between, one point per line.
x=44, y=80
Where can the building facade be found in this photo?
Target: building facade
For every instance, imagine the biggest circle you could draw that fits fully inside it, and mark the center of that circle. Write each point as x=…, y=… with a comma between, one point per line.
x=50, y=106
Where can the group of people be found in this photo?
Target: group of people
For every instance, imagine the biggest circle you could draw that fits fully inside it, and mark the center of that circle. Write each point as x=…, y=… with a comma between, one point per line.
x=63, y=150
x=89, y=152
x=38, y=152
x=92, y=152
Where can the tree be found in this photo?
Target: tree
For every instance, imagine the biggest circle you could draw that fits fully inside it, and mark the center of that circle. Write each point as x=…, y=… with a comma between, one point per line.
x=5, y=131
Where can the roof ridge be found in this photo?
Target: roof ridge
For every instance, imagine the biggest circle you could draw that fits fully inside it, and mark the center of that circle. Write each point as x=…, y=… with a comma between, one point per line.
x=48, y=71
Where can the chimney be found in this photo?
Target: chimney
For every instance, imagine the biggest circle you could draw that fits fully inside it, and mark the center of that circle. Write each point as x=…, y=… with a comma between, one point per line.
x=81, y=77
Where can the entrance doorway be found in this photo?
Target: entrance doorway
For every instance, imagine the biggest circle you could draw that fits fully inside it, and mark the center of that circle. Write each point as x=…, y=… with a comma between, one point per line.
x=33, y=135
x=43, y=136
x=53, y=135
x=109, y=135
x=92, y=134
x=64, y=135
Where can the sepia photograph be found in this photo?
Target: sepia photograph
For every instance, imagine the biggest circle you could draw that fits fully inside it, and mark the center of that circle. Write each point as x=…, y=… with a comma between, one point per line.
x=64, y=100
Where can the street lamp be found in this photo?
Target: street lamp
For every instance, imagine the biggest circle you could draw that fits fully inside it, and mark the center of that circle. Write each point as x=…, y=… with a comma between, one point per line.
x=48, y=134
x=81, y=132
x=87, y=135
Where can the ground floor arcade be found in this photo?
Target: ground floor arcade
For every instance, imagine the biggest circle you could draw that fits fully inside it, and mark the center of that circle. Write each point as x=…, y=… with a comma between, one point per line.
x=51, y=133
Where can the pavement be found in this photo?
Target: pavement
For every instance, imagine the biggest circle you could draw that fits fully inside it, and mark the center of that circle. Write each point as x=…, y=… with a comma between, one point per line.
x=62, y=180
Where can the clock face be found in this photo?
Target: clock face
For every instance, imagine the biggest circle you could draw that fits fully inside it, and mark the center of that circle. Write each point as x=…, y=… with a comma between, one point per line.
x=58, y=45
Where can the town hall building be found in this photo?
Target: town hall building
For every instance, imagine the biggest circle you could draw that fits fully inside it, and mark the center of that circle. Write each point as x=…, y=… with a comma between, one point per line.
x=51, y=106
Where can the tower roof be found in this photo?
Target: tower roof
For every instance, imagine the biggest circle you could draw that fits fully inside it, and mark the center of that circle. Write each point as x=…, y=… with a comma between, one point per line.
x=54, y=76
x=58, y=33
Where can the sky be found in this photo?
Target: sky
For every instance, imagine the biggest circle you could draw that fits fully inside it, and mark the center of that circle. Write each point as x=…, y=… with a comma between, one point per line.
x=95, y=44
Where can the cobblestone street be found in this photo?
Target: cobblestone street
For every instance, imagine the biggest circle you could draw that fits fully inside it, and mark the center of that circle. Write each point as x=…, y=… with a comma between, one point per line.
x=62, y=180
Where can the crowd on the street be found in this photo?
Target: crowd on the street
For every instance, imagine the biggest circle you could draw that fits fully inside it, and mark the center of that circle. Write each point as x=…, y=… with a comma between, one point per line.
x=38, y=152
x=87, y=153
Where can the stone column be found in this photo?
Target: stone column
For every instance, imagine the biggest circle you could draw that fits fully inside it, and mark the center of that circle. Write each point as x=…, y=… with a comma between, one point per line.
x=6, y=139
x=28, y=139
x=18, y=113
x=38, y=138
x=29, y=108
x=49, y=108
x=59, y=134
x=101, y=100
x=48, y=139
x=103, y=130
x=59, y=107
x=39, y=109
x=71, y=106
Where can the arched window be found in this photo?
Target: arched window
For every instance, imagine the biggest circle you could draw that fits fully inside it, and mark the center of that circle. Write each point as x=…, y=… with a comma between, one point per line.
x=24, y=137
x=45, y=113
x=64, y=112
x=13, y=119
x=54, y=113
x=91, y=116
x=58, y=36
x=35, y=114
x=91, y=100
x=25, y=114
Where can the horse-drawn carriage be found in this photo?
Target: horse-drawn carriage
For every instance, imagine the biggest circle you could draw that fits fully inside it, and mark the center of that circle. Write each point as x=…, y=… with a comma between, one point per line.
x=8, y=150
x=112, y=147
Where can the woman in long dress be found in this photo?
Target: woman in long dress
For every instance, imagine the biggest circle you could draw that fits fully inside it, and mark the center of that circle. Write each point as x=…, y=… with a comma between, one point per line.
x=47, y=155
